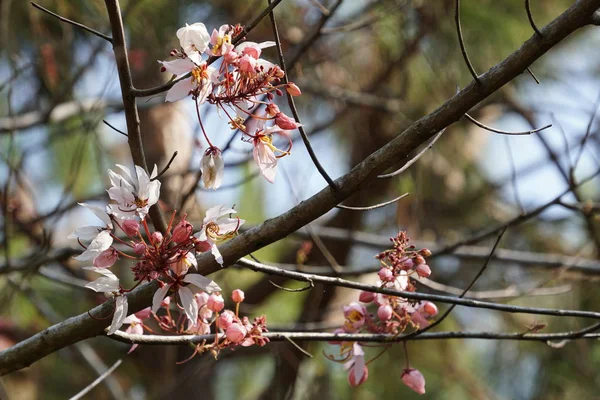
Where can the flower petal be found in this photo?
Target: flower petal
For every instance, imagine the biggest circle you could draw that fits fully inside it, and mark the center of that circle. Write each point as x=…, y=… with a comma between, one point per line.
x=179, y=91
x=202, y=282
x=189, y=304
x=215, y=251
x=158, y=297
x=119, y=315
x=178, y=67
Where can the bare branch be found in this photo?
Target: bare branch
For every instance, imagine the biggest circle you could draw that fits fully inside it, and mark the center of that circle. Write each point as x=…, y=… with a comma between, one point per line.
x=488, y=128
x=376, y=206
x=530, y=16
x=462, y=42
x=95, y=383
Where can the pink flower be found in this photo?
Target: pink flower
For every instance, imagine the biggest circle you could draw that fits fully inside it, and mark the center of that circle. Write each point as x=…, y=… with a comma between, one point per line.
x=253, y=49
x=285, y=122
x=423, y=270
x=366, y=297
x=292, y=89
x=182, y=266
x=247, y=64
x=135, y=328
x=352, y=376
x=385, y=312
x=144, y=314
x=200, y=83
x=215, y=302
x=107, y=258
x=226, y=319
x=139, y=248
x=156, y=237
x=414, y=380
x=204, y=312
x=386, y=275
x=221, y=41
x=182, y=231
x=236, y=333
x=237, y=296
x=430, y=308
x=355, y=314
x=131, y=227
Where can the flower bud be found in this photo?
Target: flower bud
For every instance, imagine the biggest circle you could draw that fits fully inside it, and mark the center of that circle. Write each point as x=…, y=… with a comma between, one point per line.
x=423, y=270
x=385, y=312
x=157, y=237
x=419, y=259
x=131, y=227
x=215, y=302
x=225, y=319
x=414, y=380
x=407, y=264
x=182, y=231
x=139, y=248
x=386, y=275
x=278, y=92
x=425, y=252
x=212, y=166
x=202, y=246
x=107, y=258
x=430, y=308
x=237, y=296
x=272, y=110
x=352, y=377
x=277, y=71
x=285, y=122
x=366, y=297
x=235, y=333
x=292, y=89
x=166, y=301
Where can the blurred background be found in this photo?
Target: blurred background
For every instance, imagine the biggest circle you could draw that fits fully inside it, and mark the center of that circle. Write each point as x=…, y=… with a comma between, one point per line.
x=367, y=70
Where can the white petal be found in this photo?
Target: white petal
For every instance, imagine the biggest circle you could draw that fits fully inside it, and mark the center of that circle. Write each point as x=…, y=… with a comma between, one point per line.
x=104, y=271
x=86, y=233
x=359, y=362
x=202, y=282
x=104, y=285
x=158, y=297
x=100, y=213
x=266, y=160
x=153, y=192
x=128, y=177
x=193, y=37
x=195, y=57
x=189, y=304
x=143, y=182
x=132, y=319
x=215, y=251
x=229, y=225
x=180, y=66
x=179, y=91
x=101, y=242
x=119, y=315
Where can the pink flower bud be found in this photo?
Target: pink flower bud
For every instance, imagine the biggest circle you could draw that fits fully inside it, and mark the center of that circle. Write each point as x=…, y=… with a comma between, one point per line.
x=414, y=380
x=225, y=319
x=215, y=302
x=407, y=264
x=285, y=122
x=278, y=92
x=143, y=314
x=423, y=270
x=292, y=89
x=430, y=308
x=107, y=258
x=385, y=312
x=131, y=227
x=425, y=252
x=237, y=296
x=157, y=237
x=352, y=377
x=366, y=297
x=182, y=231
x=139, y=248
x=277, y=72
x=272, y=110
x=166, y=301
x=386, y=275
x=419, y=259
x=235, y=333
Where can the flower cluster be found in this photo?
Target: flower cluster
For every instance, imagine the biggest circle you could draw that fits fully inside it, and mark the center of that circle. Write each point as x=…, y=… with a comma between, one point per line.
x=393, y=315
x=243, y=87
x=165, y=258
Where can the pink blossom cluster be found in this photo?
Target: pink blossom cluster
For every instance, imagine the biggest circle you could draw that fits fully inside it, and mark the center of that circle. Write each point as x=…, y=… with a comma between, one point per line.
x=393, y=315
x=243, y=88
x=166, y=258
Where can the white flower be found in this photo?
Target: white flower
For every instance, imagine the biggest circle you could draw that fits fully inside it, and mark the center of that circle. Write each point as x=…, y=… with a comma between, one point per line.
x=109, y=284
x=193, y=38
x=200, y=83
x=217, y=227
x=186, y=295
x=265, y=158
x=134, y=194
x=357, y=361
x=212, y=166
x=99, y=237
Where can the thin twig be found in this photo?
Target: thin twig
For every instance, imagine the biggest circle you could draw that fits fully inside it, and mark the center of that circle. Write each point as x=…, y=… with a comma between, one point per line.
x=376, y=206
x=161, y=173
x=531, y=21
x=488, y=128
x=95, y=383
x=462, y=43
x=414, y=159
x=533, y=75
x=77, y=24
x=113, y=128
x=306, y=353
x=292, y=105
x=302, y=289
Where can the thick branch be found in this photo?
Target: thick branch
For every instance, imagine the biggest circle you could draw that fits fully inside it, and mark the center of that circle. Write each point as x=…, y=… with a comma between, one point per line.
x=82, y=327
